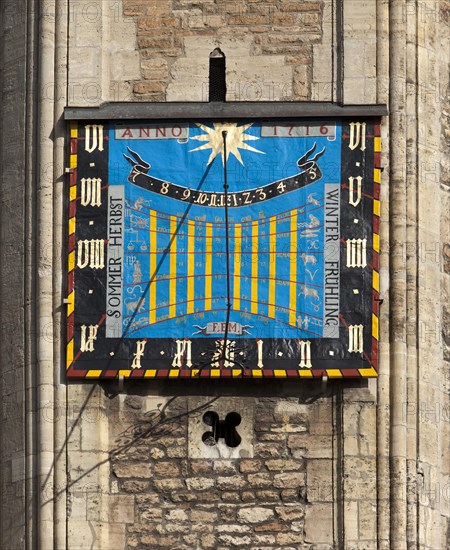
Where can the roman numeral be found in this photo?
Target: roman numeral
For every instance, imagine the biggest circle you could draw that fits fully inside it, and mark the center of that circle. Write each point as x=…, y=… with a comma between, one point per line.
x=140, y=348
x=91, y=192
x=357, y=135
x=259, y=347
x=183, y=354
x=228, y=356
x=93, y=137
x=87, y=342
x=354, y=198
x=305, y=354
x=355, y=338
x=91, y=253
x=356, y=252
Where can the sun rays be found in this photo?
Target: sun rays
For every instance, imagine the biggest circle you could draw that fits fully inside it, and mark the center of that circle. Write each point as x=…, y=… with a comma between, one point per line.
x=236, y=138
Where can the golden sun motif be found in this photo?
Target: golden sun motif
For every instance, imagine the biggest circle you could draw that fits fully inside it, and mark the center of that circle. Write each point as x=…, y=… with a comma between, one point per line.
x=236, y=139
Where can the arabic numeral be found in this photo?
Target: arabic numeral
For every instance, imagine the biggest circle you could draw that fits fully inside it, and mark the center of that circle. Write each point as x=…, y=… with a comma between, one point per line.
x=165, y=188
x=281, y=187
x=324, y=130
x=201, y=199
x=313, y=173
x=262, y=195
x=247, y=199
x=186, y=194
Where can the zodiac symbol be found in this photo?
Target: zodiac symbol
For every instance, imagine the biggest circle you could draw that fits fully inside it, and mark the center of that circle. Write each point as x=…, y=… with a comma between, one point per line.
x=303, y=322
x=310, y=274
x=313, y=221
x=130, y=260
x=140, y=244
x=308, y=259
x=312, y=200
x=138, y=305
x=308, y=292
x=132, y=290
x=140, y=222
x=138, y=204
x=307, y=233
x=314, y=245
x=137, y=274
x=138, y=323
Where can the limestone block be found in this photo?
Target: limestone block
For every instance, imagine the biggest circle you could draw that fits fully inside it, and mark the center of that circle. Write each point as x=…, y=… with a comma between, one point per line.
x=351, y=520
x=123, y=30
x=176, y=515
x=83, y=535
x=231, y=482
x=262, y=479
x=288, y=481
x=367, y=430
x=250, y=466
x=319, y=523
x=189, y=80
x=310, y=446
x=116, y=536
x=321, y=63
x=234, y=528
x=125, y=66
x=255, y=514
x=290, y=512
x=224, y=467
x=77, y=507
x=367, y=516
x=319, y=476
x=121, y=509
x=360, y=479
x=88, y=469
x=199, y=483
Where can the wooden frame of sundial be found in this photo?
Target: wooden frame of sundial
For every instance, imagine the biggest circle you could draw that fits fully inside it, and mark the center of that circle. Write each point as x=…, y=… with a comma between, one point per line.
x=172, y=276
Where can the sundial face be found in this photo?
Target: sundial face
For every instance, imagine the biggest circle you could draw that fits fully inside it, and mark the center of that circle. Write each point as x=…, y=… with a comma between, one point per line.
x=171, y=275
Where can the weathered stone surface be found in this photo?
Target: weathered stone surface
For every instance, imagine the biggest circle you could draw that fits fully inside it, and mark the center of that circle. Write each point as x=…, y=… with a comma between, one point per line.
x=284, y=465
x=287, y=481
x=319, y=531
x=132, y=470
x=255, y=515
x=231, y=482
x=199, y=483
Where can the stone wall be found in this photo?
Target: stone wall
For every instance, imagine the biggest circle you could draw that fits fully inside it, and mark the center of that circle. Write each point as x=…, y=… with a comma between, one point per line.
x=284, y=486
x=14, y=192
x=136, y=50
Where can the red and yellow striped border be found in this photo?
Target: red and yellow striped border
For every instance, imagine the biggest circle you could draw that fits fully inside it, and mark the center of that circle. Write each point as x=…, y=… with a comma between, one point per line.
x=376, y=246
x=253, y=374
x=73, y=163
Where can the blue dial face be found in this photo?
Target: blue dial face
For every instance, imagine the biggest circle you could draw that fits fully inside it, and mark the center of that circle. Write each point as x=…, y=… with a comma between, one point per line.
x=179, y=251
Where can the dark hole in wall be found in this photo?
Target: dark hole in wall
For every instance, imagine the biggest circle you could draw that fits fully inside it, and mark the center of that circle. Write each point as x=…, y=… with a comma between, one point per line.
x=222, y=429
x=217, y=83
